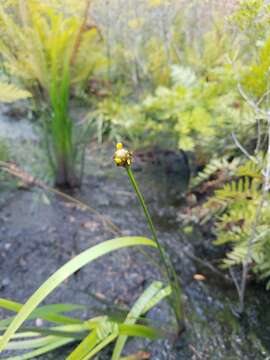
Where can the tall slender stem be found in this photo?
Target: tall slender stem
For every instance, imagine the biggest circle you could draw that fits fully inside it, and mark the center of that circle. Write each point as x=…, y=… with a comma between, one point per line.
x=171, y=274
x=145, y=209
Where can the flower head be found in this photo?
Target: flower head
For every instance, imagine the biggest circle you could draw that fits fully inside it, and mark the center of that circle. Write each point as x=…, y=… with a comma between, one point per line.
x=122, y=157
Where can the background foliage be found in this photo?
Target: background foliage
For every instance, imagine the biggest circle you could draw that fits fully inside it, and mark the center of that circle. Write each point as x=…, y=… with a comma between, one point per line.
x=167, y=74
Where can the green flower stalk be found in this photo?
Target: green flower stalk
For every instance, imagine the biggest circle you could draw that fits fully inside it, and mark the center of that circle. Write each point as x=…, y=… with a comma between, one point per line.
x=123, y=158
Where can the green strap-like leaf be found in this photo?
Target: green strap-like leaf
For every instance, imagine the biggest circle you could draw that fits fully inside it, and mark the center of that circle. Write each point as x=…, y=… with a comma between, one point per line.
x=78, y=332
x=43, y=350
x=103, y=329
x=140, y=331
x=43, y=310
x=157, y=298
x=31, y=344
x=135, y=312
x=84, y=347
x=47, y=312
x=64, y=272
x=101, y=346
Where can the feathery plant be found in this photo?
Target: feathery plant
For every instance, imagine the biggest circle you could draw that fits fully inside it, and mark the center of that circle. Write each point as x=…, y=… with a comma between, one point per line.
x=240, y=200
x=241, y=205
x=215, y=166
x=10, y=93
x=90, y=336
x=51, y=51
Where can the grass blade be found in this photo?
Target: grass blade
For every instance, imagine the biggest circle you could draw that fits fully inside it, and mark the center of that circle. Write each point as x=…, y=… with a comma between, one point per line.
x=101, y=346
x=140, y=331
x=84, y=347
x=104, y=332
x=63, y=273
x=47, y=312
x=30, y=344
x=134, y=313
x=43, y=350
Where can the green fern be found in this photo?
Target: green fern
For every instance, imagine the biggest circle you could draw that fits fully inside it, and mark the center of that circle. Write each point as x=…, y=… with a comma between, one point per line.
x=11, y=93
x=239, y=200
x=252, y=169
x=241, y=189
x=213, y=167
x=263, y=265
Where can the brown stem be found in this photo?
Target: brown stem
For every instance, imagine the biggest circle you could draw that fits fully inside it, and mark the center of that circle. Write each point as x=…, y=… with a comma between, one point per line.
x=23, y=7
x=80, y=33
x=30, y=180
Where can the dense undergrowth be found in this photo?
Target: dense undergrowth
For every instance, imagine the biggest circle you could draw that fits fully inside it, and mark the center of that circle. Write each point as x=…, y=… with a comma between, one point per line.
x=161, y=74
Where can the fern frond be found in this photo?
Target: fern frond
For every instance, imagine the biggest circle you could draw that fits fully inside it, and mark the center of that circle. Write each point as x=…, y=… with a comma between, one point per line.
x=213, y=167
x=236, y=256
x=10, y=93
x=251, y=169
x=85, y=63
x=37, y=50
x=240, y=189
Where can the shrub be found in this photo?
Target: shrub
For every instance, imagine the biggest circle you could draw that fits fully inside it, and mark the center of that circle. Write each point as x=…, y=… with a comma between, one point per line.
x=50, y=51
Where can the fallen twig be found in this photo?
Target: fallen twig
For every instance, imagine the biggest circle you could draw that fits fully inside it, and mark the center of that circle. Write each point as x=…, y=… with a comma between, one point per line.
x=31, y=181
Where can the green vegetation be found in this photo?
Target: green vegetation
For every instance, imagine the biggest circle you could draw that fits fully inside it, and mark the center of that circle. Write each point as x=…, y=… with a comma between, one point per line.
x=95, y=333
x=214, y=103
x=48, y=52
x=99, y=332
x=192, y=77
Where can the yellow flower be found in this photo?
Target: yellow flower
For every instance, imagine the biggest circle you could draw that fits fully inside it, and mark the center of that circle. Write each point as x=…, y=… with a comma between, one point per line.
x=122, y=157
